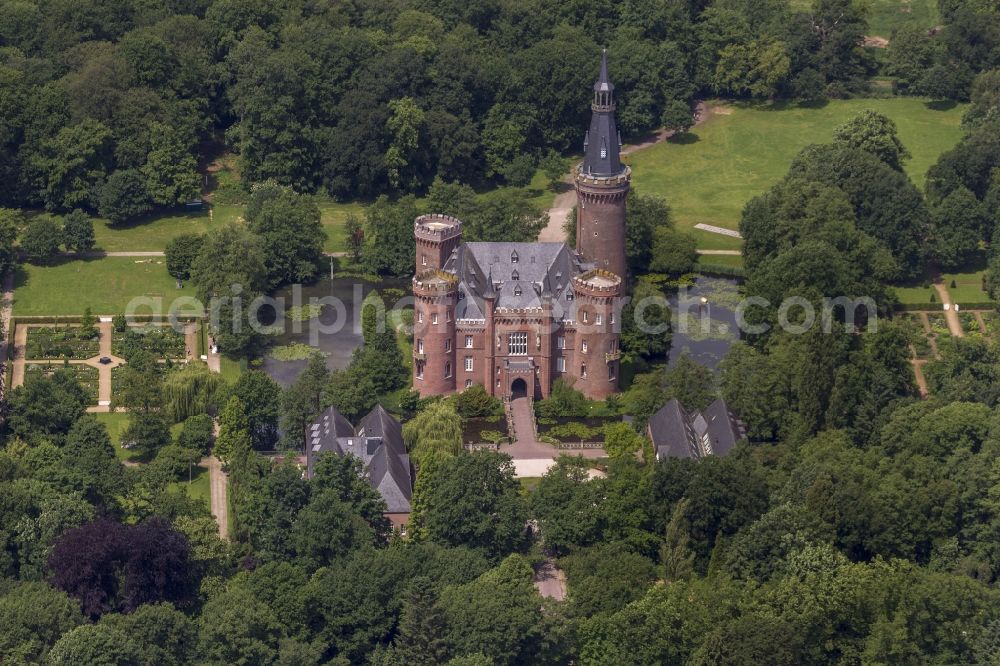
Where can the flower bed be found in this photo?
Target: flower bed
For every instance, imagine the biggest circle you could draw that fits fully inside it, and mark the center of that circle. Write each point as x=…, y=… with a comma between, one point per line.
x=160, y=341
x=939, y=325
x=969, y=323
x=56, y=342
x=86, y=375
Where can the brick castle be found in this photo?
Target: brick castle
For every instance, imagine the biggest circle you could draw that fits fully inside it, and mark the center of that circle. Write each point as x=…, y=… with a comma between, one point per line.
x=514, y=317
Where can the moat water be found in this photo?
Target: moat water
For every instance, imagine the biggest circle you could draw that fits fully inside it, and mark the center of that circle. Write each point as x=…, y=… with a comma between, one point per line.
x=335, y=331
x=704, y=330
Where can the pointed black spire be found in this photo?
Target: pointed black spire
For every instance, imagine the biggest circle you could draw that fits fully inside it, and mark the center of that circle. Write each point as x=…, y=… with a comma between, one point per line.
x=602, y=143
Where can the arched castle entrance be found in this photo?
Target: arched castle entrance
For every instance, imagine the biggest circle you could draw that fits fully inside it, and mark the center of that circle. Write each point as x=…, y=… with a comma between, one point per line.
x=518, y=389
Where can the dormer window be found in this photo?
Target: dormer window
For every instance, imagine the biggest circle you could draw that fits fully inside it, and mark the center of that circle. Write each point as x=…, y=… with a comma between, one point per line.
x=515, y=276
x=604, y=153
x=517, y=291
x=513, y=257
x=569, y=297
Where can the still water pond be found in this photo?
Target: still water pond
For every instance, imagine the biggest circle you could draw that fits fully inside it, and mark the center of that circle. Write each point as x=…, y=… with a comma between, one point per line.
x=335, y=331
x=704, y=330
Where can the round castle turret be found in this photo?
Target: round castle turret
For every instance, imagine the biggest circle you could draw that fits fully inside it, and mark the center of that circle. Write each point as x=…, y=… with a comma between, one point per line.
x=596, y=295
x=436, y=237
x=602, y=184
x=435, y=293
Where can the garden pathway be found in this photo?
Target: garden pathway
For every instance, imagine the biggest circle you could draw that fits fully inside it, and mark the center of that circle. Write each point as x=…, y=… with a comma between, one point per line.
x=550, y=581
x=531, y=457
x=6, y=309
x=564, y=202
x=20, y=344
x=218, y=481
x=918, y=373
x=954, y=325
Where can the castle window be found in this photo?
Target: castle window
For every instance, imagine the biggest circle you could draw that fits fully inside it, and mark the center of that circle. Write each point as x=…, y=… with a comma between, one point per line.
x=447, y=344
x=420, y=346
x=604, y=153
x=599, y=319
x=434, y=318
x=420, y=316
x=447, y=314
x=583, y=370
x=423, y=260
x=468, y=383
x=569, y=297
x=611, y=317
x=560, y=365
x=611, y=372
x=447, y=370
x=468, y=342
x=560, y=342
x=513, y=258
x=420, y=369
x=517, y=291
x=515, y=276
x=583, y=348
x=468, y=364
x=611, y=346
x=517, y=344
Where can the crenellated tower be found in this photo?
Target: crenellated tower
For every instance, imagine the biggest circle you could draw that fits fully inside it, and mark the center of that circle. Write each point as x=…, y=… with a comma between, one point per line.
x=602, y=184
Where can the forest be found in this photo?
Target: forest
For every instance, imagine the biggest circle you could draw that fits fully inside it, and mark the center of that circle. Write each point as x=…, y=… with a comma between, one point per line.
x=860, y=524
x=111, y=107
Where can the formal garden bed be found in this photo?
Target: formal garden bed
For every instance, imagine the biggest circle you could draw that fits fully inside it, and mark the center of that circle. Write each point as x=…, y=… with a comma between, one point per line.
x=86, y=375
x=58, y=342
x=573, y=430
x=491, y=429
x=160, y=341
x=939, y=325
x=917, y=336
x=970, y=325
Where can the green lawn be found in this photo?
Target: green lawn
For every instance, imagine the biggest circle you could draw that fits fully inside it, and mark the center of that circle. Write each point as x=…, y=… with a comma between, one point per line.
x=968, y=287
x=720, y=260
x=116, y=422
x=334, y=219
x=918, y=295
x=199, y=487
x=739, y=153
x=230, y=369
x=887, y=15
x=152, y=233
x=105, y=285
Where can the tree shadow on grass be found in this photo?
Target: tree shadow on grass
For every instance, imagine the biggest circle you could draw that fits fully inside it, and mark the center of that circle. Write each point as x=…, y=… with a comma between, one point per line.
x=941, y=105
x=684, y=138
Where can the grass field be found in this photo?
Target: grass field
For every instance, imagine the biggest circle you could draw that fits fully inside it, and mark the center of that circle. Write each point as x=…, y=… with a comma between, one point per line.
x=968, y=287
x=105, y=285
x=199, y=487
x=742, y=150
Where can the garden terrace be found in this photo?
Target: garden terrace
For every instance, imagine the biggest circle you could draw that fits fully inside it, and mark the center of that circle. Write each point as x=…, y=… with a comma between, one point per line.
x=86, y=375
x=160, y=341
x=57, y=342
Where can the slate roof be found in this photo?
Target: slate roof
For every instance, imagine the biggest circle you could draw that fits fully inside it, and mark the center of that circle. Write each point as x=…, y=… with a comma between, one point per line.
x=516, y=274
x=377, y=442
x=681, y=434
x=603, y=142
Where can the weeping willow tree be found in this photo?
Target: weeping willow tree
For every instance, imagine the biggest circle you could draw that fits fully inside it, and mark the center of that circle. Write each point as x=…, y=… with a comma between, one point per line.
x=435, y=430
x=189, y=391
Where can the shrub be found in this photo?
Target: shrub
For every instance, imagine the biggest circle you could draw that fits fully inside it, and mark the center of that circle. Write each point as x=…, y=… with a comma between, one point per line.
x=475, y=401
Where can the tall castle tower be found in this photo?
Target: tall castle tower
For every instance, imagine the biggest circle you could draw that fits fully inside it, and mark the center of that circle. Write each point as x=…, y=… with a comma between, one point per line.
x=602, y=184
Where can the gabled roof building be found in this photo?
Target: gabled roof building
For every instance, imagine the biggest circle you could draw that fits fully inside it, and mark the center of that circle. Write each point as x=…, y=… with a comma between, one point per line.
x=378, y=443
x=678, y=433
